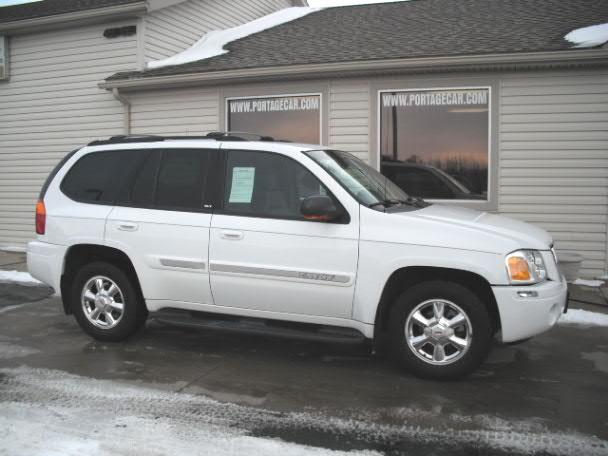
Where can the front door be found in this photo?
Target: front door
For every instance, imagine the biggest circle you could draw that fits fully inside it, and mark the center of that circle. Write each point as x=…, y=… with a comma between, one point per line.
x=265, y=256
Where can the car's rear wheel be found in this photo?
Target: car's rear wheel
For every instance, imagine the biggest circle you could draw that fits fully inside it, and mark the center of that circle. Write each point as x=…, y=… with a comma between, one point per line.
x=440, y=330
x=106, y=303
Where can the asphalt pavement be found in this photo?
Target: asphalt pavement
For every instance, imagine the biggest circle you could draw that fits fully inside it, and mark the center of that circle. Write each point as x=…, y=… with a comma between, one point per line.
x=547, y=396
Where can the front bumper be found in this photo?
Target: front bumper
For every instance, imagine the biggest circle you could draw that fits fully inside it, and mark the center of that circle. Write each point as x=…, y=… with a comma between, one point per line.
x=45, y=263
x=524, y=317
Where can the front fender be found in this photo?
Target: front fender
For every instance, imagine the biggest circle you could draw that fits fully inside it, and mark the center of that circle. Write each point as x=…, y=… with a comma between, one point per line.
x=379, y=260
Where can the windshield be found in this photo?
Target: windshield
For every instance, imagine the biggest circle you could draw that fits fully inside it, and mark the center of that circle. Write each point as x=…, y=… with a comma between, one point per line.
x=367, y=185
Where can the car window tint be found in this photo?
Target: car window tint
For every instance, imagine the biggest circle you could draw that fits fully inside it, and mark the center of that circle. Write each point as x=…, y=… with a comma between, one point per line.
x=98, y=177
x=181, y=178
x=142, y=191
x=267, y=185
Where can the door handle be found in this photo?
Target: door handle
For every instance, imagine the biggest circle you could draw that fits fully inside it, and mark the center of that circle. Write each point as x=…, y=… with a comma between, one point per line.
x=232, y=235
x=127, y=226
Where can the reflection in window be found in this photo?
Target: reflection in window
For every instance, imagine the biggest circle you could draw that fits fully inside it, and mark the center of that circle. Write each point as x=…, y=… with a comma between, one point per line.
x=434, y=143
x=295, y=118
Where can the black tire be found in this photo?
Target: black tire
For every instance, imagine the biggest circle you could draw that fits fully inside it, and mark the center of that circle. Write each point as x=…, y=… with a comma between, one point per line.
x=480, y=324
x=134, y=309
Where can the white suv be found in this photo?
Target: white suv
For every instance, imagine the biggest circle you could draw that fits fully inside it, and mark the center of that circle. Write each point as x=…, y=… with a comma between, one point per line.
x=286, y=232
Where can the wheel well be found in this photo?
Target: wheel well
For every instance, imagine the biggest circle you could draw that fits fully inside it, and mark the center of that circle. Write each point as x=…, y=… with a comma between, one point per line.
x=79, y=255
x=404, y=278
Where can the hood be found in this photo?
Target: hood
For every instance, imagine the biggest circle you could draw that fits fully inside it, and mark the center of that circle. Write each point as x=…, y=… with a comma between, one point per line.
x=525, y=235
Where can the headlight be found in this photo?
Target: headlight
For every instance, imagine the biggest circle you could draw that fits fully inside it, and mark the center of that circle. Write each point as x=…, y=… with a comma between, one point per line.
x=526, y=267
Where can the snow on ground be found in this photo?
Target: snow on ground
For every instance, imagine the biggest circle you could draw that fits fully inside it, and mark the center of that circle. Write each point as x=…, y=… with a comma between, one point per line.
x=18, y=277
x=83, y=416
x=12, y=249
x=54, y=413
x=589, y=283
x=588, y=37
x=212, y=44
x=583, y=317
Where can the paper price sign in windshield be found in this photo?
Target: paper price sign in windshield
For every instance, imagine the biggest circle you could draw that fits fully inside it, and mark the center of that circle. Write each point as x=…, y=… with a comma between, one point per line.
x=243, y=179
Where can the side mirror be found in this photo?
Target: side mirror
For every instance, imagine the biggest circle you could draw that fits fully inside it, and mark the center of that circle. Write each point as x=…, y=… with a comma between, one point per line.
x=320, y=209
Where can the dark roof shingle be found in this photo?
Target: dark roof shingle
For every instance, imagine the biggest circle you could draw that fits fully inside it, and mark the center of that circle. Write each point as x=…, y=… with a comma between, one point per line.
x=416, y=28
x=53, y=7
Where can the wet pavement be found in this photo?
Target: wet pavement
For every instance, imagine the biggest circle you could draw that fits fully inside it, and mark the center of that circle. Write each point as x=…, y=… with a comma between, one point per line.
x=546, y=396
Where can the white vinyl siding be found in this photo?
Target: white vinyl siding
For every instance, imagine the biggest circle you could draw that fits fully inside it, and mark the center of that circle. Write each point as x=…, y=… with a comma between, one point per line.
x=190, y=111
x=554, y=158
x=51, y=105
x=171, y=30
x=349, y=117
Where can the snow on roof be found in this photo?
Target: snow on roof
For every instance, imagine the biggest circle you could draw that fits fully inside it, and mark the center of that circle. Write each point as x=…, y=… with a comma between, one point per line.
x=212, y=44
x=588, y=37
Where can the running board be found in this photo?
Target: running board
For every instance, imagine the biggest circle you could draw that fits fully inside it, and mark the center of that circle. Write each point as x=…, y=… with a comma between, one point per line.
x=258, y=326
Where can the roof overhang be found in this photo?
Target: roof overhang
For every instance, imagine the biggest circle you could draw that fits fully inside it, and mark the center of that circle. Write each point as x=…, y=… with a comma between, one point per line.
x=80, y=17
x=487, y=62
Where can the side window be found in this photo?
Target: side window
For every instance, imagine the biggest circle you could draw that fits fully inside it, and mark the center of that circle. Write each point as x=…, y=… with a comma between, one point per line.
x=181, y=178
x=263, y=184
x=98, y=177
x=139, y=191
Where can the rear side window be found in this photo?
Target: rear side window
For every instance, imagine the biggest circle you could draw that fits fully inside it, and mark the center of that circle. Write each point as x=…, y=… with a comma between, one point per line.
x=181, y=178
x=99, y=176
x=171, y=179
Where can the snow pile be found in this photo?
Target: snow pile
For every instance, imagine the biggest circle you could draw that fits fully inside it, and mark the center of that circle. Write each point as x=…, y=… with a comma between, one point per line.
x=589, y=283
x=12, y=249
x=18, y=277
x=589, y=37
x=584, y=317
x=212, y=44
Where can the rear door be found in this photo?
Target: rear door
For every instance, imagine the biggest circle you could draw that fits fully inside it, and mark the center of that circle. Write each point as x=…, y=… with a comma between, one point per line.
x=162, y=222
x=264, y=256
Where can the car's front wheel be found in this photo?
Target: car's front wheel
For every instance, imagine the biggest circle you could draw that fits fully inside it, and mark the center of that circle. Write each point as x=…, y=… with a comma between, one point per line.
x=106, y=303
x=440, y=330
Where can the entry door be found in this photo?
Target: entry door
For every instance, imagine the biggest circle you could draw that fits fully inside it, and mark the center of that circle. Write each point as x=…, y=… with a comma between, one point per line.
x=163, y=227
x=265, y=256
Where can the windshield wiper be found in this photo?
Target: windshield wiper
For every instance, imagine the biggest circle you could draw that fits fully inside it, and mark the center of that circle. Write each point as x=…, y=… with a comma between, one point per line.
x=410, y=201
x=386, y=202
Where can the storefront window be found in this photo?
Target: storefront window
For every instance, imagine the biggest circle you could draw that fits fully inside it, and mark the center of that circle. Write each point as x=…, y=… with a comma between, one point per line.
x=434, y=144
x=295, y=118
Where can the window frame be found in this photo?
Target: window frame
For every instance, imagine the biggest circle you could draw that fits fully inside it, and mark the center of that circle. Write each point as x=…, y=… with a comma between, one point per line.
x=5, y=53
x=219, y=198
x=490, y=203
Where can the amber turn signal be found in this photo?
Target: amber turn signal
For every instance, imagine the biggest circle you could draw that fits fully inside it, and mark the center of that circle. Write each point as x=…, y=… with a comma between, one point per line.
x=518, y=268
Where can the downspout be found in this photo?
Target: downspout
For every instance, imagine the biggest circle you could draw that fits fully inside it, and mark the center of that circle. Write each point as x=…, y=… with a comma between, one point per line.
x=127, y=110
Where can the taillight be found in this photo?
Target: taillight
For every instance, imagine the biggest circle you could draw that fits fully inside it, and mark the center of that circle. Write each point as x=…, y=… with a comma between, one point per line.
x=40, y=217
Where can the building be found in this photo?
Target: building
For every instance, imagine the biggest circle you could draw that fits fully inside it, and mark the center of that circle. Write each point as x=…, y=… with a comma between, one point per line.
x=481, y=103
x=57, y=51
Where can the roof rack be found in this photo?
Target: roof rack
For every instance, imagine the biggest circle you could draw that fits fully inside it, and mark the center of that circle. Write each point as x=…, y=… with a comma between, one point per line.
x=216, y=135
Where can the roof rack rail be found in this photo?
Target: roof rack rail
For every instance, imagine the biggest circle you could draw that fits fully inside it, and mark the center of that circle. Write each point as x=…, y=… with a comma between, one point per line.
x=126, y=139
x=238, y=136
x=215, y=135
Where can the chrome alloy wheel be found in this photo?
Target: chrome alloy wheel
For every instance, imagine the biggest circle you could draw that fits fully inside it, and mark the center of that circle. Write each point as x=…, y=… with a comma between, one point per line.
x=103, y=302
x=438, y=332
